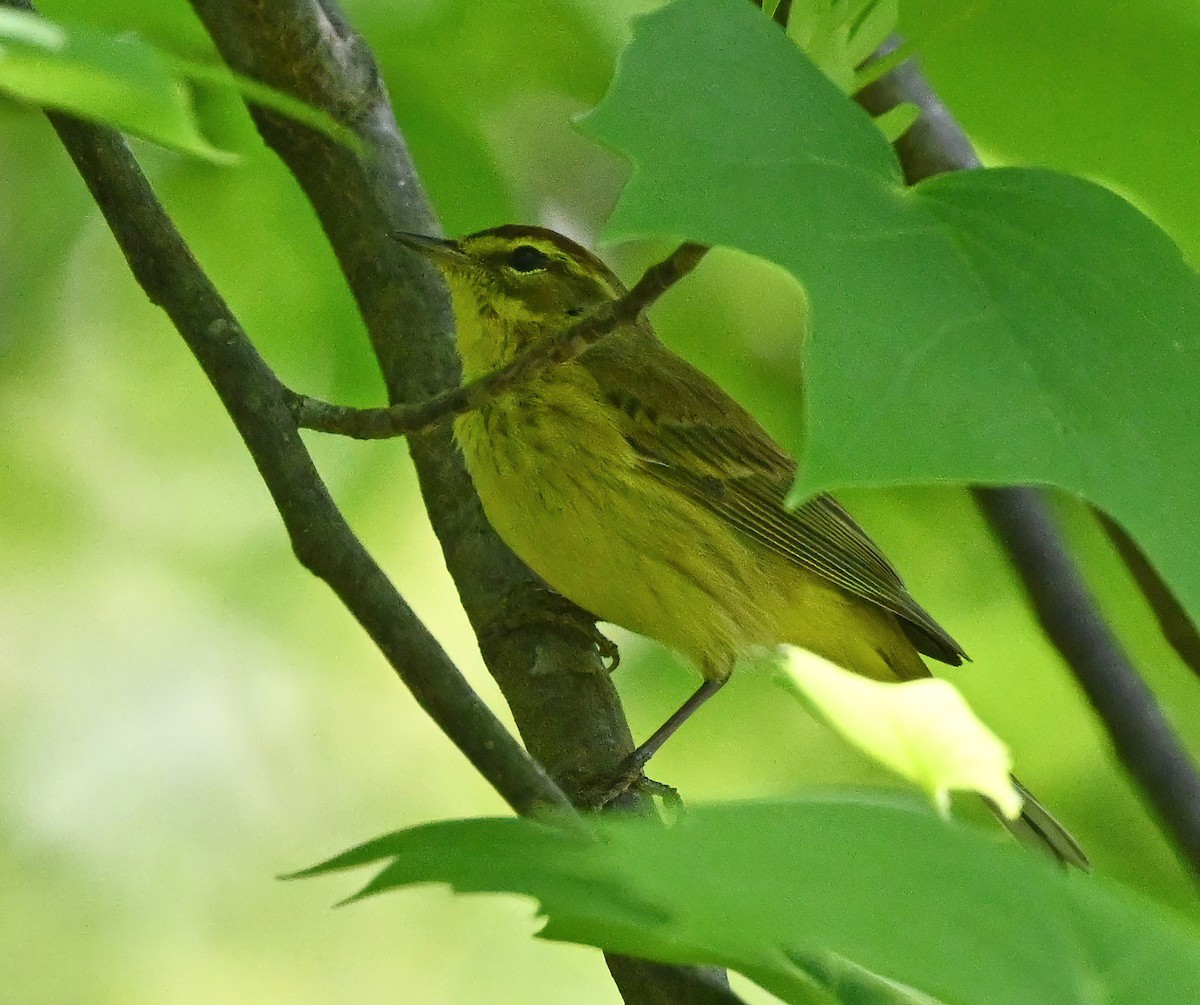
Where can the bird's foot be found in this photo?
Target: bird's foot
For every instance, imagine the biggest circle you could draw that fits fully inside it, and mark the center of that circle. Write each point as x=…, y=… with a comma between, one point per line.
x=532, y=604
x=629, y=780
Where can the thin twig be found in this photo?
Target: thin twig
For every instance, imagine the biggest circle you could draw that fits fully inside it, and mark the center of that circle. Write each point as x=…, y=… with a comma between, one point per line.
x=400, y=420
x=1173, y=620
x=1140, y=733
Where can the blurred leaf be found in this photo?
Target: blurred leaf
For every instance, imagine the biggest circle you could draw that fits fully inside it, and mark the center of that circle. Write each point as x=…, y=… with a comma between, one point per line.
x=839, y=35
x=760, y=887
x=267, y=97
x=121, y=80
x=454, y=81
x=922, y=729
x=1000, y=326
x=871, y=71
x=868, y=24
x=126, y=82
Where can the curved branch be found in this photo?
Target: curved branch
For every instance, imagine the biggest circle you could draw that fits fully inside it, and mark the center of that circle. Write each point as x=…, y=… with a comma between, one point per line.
x=403, y=419
x=323, y=541
x=1020, y=518
x=541, y=651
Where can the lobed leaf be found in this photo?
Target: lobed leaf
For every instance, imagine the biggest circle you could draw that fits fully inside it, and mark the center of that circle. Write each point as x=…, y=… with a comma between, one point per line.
x=801, y=895
x=1001, y=326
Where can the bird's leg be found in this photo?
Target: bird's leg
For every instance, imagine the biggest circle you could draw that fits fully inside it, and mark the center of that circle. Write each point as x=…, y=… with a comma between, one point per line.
x=630, y=770
x=664, y=732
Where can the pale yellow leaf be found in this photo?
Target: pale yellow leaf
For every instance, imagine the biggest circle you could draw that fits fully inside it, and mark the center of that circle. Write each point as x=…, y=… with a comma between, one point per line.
x=923, y=729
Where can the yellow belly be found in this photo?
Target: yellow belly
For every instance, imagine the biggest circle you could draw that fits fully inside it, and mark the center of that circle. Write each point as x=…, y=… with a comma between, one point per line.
x=566, y=492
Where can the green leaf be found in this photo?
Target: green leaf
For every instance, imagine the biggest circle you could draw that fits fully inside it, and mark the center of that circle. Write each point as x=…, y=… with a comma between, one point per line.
x=923, y=729
x=1005, y=326
x=267, y=97
x=996, y=63
x=121, y=81
x=771, y=888
x=128, y=83
x=851, y=984
x=871, y=71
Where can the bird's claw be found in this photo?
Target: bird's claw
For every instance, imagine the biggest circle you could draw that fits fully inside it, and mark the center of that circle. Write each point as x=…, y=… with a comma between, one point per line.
x=628, y=778
x=533, y=604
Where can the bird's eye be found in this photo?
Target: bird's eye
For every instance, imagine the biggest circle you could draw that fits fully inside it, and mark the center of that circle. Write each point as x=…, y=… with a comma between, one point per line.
x=526, y=258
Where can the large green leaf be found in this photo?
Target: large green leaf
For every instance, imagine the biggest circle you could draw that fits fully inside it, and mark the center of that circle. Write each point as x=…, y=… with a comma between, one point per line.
x=999, y=326
x=1119, y=111
x=772, y=888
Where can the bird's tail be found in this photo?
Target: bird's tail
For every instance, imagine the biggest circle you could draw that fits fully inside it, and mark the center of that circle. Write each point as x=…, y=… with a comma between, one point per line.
x=1037, y=826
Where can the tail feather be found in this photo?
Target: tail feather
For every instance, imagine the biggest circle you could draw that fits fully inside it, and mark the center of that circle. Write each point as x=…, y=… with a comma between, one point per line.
x=1036, y=825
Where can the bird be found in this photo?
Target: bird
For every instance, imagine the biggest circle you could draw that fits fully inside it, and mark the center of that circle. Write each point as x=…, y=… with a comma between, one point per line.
x=640, y=490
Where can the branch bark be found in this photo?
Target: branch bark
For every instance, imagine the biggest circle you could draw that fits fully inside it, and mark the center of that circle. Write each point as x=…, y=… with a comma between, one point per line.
x=541, y=651
x=322, y=540
x=566, y=708
x=1020, y=518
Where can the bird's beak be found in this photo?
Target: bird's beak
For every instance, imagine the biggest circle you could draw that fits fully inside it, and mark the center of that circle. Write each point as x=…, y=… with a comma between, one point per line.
x=440, y=251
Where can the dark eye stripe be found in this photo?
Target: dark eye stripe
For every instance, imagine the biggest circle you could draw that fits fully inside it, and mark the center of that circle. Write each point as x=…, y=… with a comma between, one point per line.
x=527, y=258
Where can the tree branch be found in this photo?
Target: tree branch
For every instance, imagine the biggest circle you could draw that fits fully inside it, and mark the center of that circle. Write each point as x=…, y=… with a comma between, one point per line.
x=1139, y=731
x=1173, y=621
x=540, y=651
x=254, y=398
x=565, y=706
x=402, y=419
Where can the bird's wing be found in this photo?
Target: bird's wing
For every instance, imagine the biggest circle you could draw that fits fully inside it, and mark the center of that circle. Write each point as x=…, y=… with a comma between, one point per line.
x=697, y=440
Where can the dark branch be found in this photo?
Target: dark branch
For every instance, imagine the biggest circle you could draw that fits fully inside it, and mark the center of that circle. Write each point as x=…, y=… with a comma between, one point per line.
x=254, y=398
x=1176, y=626
x=1143, y=738
x=544, y=660
x=1139, y=731
x=399, y=420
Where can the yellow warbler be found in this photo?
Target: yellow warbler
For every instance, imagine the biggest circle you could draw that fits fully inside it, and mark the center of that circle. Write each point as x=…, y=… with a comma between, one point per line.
x=637, y=488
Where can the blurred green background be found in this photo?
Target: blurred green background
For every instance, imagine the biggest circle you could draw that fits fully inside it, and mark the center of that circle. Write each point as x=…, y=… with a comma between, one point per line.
x=185, y=713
